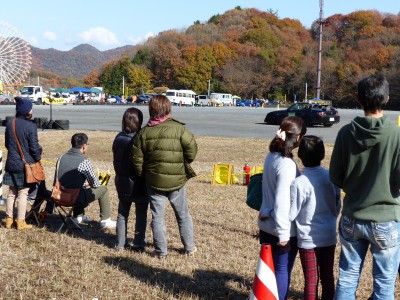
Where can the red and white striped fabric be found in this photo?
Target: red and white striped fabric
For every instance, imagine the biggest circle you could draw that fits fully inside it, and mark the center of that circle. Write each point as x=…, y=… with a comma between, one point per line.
x=264, y=286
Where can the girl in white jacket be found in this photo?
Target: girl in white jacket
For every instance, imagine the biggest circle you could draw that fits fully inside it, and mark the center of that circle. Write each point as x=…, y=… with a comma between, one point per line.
x=275, y=227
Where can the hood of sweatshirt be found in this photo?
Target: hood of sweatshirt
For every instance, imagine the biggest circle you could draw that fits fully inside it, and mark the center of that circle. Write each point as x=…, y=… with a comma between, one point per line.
x=368, y=131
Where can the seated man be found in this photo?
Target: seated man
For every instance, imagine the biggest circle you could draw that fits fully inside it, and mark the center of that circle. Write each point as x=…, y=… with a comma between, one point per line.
x=74, y=170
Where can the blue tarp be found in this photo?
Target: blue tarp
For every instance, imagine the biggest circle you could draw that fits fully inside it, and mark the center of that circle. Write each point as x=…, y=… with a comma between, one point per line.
x=81, y=89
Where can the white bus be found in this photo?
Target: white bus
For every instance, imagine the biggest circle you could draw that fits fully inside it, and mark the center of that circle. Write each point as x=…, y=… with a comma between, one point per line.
x=218, y=99
x=181, y=97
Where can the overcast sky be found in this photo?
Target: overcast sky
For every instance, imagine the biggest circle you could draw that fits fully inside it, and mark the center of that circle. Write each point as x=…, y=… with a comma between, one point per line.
x=109, y=24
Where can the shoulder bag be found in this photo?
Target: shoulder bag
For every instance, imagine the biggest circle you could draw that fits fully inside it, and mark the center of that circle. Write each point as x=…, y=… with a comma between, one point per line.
x=33, y=172
x=62, y=196
x=254, y=192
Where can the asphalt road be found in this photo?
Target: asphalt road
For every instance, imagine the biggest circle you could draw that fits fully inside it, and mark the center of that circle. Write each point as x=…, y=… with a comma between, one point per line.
x=202, y=121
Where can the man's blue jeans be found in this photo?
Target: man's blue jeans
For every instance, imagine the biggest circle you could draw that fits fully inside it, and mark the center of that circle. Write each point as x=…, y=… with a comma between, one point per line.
x=178, y=200
x=383, y=239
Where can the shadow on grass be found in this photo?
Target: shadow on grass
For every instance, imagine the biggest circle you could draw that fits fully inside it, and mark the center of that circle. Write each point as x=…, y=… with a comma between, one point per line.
x=227, y=228
x=204, y=284
x=90, y=231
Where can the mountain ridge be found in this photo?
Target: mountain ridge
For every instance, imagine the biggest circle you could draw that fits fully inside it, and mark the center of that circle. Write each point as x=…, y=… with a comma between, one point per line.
x=76, y=62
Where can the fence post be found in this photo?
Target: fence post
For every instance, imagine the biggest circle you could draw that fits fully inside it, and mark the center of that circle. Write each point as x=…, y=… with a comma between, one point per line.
x=2, y=201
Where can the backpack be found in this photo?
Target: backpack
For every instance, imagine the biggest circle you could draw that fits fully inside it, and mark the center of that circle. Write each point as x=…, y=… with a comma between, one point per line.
x=254, y=192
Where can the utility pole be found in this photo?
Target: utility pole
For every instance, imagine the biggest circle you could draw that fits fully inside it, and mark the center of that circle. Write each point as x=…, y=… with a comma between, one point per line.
x=305, y=94
x=123, y=85
x=321, y=21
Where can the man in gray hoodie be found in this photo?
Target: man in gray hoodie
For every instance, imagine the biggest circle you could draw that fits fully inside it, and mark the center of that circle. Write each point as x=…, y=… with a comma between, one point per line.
x=365, y=163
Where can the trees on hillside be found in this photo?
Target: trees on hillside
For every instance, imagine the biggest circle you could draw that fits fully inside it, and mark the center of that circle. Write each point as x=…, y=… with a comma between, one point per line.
x=255, y=54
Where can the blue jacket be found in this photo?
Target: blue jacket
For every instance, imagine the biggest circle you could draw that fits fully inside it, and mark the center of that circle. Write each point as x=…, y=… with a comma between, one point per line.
x=28, y=139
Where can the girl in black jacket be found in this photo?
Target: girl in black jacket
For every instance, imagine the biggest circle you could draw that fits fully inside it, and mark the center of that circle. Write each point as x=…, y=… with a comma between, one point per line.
x=129, y=187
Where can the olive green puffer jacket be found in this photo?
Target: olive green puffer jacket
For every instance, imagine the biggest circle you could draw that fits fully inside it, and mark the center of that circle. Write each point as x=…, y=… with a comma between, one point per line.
x=160, y=152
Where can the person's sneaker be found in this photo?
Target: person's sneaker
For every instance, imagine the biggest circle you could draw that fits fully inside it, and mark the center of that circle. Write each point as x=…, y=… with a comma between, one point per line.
x=158, y=255
x=191, y=252
x=108, y=223
x=81, y=219
x=136, y=248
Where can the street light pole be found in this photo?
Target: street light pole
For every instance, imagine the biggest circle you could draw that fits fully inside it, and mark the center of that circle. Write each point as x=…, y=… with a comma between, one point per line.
x=321, y=17
x=123, y=85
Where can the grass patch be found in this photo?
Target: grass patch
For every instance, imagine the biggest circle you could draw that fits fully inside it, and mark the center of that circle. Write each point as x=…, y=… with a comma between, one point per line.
x=42, y=264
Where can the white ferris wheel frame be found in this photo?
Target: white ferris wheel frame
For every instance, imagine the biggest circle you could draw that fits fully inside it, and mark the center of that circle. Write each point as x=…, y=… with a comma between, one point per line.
x=15, y=55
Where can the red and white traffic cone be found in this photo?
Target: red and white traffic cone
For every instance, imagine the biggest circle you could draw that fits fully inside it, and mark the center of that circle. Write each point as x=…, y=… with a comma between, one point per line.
x=264, y=286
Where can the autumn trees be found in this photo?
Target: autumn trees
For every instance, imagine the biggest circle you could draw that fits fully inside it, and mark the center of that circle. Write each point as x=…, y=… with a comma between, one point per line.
x=256, y=54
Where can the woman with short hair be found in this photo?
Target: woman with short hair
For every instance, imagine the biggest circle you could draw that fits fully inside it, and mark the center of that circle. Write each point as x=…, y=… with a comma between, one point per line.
x=161, y=155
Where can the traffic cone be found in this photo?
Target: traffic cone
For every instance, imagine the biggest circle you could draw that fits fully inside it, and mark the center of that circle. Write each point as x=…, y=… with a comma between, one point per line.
x=264, y=286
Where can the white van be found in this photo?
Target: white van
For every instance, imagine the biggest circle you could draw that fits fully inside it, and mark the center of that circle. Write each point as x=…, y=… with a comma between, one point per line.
x=218, y=99
x=203, y=100
x=181, y=97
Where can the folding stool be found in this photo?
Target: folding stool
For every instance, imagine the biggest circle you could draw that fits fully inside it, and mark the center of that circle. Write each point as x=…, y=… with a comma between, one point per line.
x=65, y=214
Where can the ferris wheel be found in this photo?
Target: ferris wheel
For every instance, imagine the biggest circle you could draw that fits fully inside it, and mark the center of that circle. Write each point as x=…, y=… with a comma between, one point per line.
x=15, y=55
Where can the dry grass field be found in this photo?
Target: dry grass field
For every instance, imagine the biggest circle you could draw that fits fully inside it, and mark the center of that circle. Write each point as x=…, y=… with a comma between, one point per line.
x=43, y=264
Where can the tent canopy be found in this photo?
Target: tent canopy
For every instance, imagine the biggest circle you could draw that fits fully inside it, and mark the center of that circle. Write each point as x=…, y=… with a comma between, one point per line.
x=96, y=90
x=61, y=90
x=81, y=89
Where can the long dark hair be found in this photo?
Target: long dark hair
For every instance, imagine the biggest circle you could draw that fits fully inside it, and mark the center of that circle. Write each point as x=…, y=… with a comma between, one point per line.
x=294, y=129
x=132, y=120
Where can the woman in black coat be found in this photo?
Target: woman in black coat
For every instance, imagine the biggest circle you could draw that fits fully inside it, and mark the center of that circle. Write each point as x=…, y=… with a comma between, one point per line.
x=129, y=187
x=14, y=175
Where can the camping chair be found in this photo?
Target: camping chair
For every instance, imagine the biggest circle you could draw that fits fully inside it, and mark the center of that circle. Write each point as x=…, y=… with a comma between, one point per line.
x=36, y=196
x=32, y=213
x=66, y=216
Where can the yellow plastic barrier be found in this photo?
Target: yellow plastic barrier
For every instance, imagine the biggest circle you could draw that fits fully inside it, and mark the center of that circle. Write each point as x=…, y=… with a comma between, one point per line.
x=104, y=176
x=223, y=175
x=257, y=170
x=54, y=101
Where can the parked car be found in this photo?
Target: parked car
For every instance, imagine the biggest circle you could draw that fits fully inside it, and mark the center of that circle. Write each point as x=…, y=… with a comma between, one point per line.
x=143, y=99
x=272, y=103
x=244, y=103
x=257, y=103
x=114, y=99
x=312, y=114
x=202, y=100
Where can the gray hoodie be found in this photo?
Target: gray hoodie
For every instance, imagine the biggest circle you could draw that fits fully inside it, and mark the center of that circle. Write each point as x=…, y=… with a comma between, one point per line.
x=314, y=206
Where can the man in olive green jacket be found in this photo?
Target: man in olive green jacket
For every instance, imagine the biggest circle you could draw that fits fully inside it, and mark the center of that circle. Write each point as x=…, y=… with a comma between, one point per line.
x=161, y=155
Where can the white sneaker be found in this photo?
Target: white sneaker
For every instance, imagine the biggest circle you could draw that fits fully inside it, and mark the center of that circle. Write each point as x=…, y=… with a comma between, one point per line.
x=108, y=223
x=81, y=219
